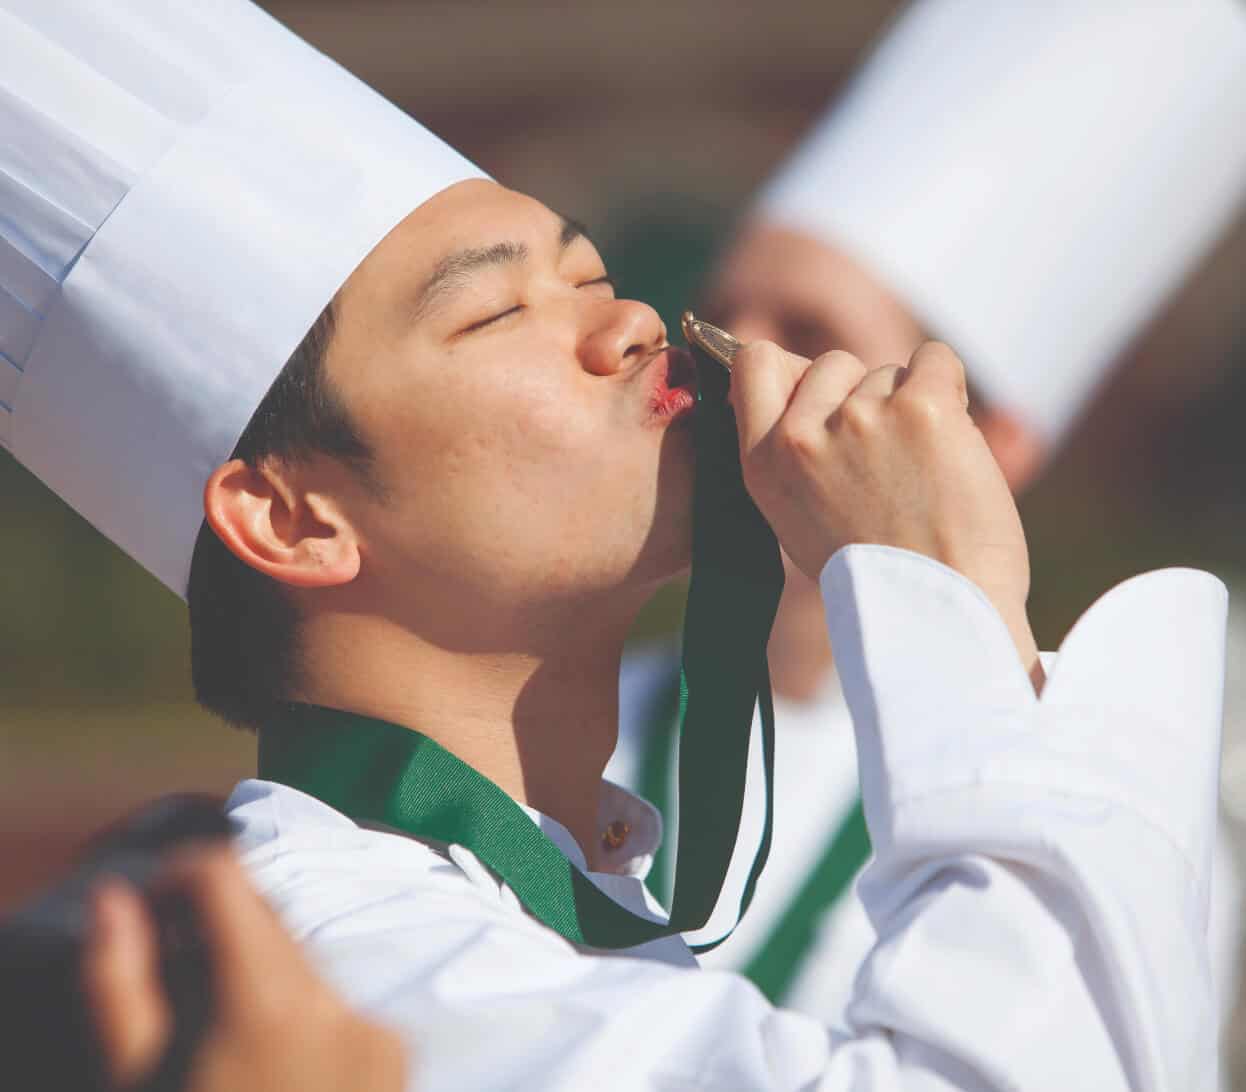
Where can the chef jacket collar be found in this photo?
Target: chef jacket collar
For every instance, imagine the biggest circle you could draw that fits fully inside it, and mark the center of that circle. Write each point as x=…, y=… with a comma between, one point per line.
x=629, y=831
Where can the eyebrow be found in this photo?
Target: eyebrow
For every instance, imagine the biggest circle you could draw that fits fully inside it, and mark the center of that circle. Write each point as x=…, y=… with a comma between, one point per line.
x=454, y=270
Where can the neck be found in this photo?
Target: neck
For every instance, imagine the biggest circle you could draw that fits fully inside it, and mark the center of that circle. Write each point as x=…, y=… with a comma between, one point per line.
x=800, y=647
x=539, y=720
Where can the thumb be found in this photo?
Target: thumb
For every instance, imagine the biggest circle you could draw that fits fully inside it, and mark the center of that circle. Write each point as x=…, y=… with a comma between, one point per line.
x=763, y=378
x=121, y=979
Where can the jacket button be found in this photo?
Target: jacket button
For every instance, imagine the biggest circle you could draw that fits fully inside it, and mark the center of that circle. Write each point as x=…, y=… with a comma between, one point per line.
x=615, y=834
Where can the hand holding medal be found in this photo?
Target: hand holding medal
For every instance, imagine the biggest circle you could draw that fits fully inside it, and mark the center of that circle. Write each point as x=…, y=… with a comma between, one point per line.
x=835, y=453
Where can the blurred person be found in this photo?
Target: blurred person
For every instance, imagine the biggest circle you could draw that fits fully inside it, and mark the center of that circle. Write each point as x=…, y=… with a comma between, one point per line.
x=276, y=1024
x=459, y=467
x=1029, y=184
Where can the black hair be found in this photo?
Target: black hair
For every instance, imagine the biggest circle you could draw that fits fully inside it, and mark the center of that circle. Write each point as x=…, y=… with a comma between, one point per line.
x=243, y=627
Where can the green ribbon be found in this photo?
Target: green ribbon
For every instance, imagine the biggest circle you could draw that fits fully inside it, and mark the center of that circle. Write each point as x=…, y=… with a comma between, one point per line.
x=384, y=773
x=775, y=964
x=654, y=780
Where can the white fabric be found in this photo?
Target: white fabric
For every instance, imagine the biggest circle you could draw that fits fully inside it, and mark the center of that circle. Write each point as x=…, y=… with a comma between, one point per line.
x=183, y=187
x=1233, y=786
x=1225, y=929
x=1033, y=179
x=815, y=787
x=1040, y=885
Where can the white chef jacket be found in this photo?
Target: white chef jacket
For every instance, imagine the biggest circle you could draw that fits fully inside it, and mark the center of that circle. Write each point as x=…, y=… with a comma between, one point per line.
x=1039, y=886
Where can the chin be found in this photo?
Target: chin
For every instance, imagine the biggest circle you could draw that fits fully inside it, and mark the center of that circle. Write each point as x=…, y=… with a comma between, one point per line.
x=666, y=553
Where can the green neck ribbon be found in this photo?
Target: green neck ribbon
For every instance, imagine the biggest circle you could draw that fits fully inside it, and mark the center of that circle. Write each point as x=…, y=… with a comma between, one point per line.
x=384, y=773
x=656, y=780
x=775, y=964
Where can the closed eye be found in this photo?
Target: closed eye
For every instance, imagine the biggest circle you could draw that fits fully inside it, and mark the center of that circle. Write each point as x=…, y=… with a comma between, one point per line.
x=482, y=323
x=491, y=319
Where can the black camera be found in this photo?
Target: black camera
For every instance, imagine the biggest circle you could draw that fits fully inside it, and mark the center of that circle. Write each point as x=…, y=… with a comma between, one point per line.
x=47, y=1033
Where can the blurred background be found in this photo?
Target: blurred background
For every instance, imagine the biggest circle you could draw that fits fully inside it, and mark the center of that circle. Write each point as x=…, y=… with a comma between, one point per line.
x=653, y=123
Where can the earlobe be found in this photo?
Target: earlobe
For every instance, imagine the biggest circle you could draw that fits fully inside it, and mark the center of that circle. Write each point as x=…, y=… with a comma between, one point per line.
x=268, y=523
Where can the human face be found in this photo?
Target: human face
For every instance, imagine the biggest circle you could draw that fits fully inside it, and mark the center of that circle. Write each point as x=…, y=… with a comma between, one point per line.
x=780, y=285
x=530, y=429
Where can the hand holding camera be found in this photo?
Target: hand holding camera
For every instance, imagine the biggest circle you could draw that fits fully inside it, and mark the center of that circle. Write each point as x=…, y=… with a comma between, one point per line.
x=277, y=1025
x=156, y=967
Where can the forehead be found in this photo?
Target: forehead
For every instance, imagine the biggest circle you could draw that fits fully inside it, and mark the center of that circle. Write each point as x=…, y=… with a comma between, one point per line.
x=769, y=254
x=475, y=214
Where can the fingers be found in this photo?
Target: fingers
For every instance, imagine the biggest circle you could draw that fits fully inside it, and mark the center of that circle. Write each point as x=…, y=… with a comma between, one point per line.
x=936, y=372
x=241, y=930
x=763, y=378
x=121, y=978
x=829, y=380
x=880, y=384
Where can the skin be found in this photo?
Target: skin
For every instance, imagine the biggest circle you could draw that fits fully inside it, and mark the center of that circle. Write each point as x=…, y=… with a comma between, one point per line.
x=531, y=500
x=781, y=285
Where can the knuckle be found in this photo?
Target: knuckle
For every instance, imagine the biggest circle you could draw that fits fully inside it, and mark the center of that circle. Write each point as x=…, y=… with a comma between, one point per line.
x=934, y=348
x=859, y=416
x=844, y=363
x=798, y=442
x=920, y=411
x=939, y=352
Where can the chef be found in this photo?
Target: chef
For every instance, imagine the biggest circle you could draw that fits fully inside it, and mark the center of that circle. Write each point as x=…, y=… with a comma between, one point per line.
x=385, y=425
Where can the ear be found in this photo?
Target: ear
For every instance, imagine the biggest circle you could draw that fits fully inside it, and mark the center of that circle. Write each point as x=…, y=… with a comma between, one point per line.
x=1019, y=450
x=268, y=522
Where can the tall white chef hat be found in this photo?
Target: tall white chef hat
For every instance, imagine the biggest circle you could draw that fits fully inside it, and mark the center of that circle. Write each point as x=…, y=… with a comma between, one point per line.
x=1033, y=179
x=183, y=188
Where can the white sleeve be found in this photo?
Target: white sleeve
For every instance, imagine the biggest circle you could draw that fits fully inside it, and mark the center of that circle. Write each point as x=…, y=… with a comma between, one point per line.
x=1039, y=888
x=1060, y=848
x=1032, y=179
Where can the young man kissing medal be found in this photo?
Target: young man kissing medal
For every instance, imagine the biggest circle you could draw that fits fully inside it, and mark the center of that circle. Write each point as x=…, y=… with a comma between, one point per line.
x=385, y=425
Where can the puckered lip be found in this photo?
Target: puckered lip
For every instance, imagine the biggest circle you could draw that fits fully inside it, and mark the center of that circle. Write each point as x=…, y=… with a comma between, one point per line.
x=682, y=370
x=671, y=379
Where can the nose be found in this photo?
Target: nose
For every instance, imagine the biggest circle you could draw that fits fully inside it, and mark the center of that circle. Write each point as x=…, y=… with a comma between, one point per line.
x=619, y=333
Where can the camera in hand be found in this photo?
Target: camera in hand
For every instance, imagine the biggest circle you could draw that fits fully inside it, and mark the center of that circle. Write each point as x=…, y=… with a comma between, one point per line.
x=47, y=1031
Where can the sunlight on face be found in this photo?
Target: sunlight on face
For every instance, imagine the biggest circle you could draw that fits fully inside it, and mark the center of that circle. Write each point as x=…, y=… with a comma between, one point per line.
x=515, y=407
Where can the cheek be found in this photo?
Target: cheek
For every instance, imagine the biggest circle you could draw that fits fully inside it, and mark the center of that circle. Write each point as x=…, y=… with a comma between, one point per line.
x=516, y=471
x=558, y=467
x=517, y=487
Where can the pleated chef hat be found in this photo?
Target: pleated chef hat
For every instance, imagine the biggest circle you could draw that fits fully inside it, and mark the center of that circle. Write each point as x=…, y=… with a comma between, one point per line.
x=183, y=188
x=1033, y=179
